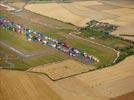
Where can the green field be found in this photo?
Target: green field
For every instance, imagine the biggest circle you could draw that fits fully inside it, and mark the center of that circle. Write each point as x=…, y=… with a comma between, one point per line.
x=10, y=60
x=19, y=42
x=103, y=36
x=126, y=48
x=105, y=55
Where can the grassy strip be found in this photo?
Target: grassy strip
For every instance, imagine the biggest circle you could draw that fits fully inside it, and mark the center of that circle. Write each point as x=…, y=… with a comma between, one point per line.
x=105, y=55
x=126, y=48
x=19, y=42
x=10, y=60
x=44, y=60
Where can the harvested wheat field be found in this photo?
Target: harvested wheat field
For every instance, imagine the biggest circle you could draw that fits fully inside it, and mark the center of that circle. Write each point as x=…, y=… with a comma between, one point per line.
x=62, y=69
x=113, y=81
x=17, y=85
x=79, y=13
x=120, y=3
x=76, y=13
x=60, y=12
x=56, y=11
x=17, y=4
x=128, y=96
x=126, y=32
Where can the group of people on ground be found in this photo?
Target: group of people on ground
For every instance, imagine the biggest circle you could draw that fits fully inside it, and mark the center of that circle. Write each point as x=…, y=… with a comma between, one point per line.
x=46, y=40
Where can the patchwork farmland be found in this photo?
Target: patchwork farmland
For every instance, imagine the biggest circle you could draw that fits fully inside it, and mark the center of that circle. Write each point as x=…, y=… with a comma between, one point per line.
x=114, y=83
x=83, y=12
x=66, y=49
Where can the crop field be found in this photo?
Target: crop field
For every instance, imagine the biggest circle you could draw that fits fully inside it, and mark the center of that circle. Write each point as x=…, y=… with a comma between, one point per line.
x=43, y=20
x=79, y=13
x=104, y=84
x=113, y=83
x=32, y=71
x=126, y=32
x=62, y=69
x=19, y=85
x=18, y=5
x=122, y=79
x=60, y=12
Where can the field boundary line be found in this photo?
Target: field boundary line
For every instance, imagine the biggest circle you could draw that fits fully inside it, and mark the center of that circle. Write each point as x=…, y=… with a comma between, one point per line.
x=65, y=77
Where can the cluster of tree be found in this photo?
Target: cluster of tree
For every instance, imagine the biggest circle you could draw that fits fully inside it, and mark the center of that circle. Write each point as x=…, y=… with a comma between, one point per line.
x=125, y=52
x=96, y=28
